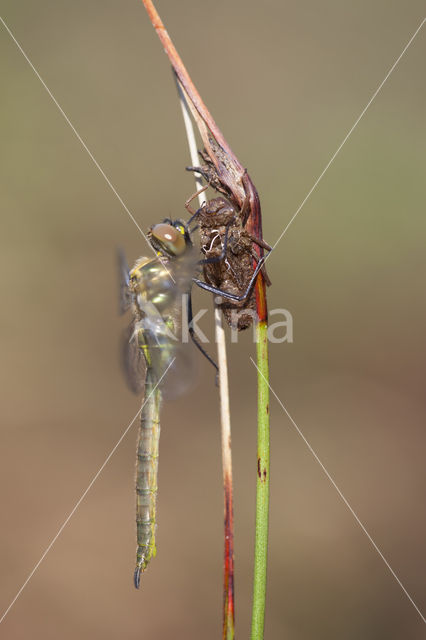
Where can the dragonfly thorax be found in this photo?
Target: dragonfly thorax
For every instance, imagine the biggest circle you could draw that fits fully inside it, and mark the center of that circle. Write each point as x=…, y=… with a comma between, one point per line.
x=151, y=281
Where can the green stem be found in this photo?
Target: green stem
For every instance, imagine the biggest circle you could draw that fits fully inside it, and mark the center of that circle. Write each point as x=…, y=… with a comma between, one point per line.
x=262, y=486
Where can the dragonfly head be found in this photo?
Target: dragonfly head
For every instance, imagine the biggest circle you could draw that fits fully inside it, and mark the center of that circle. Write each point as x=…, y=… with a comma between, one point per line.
x=170, y=238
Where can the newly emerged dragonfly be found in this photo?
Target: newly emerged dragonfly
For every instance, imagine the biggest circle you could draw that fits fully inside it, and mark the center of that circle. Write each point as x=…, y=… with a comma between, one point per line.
x=153, y=290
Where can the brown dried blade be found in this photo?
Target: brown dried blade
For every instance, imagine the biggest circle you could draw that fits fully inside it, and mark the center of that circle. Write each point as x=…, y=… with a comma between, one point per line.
x=227, y=174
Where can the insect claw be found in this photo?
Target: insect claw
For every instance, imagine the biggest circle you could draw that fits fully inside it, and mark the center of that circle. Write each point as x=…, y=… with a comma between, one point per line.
x=137, y=577
x=197, y=169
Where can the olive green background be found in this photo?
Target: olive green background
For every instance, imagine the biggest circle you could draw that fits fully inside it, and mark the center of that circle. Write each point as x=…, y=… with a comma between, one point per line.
x=285, y=81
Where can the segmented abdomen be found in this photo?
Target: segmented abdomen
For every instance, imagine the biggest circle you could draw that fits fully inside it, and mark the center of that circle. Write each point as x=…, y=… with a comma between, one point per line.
x=146, y=474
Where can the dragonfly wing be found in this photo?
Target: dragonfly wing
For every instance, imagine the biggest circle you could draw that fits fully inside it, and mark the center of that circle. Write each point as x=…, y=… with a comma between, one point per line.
x=172, y=360
x=133, y=361
x=125, y=297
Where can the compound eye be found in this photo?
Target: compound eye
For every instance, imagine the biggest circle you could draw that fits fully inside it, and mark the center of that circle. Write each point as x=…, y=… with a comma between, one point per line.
x=170, y=238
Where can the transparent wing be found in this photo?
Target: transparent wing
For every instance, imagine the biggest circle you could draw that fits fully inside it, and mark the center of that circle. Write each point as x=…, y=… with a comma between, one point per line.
x=133, y=361
x=182, y=376
x=179, y=361
x=158, y=328
x=125, y=298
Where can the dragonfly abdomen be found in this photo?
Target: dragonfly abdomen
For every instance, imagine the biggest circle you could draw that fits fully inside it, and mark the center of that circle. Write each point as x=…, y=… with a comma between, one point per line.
x=146, y=475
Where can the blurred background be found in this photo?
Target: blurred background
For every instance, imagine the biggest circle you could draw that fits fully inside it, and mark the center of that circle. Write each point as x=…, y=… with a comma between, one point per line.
x=285, y=81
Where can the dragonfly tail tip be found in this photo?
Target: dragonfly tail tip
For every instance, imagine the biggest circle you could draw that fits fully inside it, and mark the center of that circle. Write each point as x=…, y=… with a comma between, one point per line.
x=137, y=577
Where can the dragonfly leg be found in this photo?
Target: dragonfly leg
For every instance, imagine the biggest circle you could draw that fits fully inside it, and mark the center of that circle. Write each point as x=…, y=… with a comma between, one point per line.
x=190, y=199
x=226, y=294
x=259, y=242
x=192, y=334
x=256, y=258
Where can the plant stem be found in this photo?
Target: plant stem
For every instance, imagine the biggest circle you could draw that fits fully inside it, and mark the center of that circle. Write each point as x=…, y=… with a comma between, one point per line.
x=225, y=418
x=228, y=568
x=262, y=486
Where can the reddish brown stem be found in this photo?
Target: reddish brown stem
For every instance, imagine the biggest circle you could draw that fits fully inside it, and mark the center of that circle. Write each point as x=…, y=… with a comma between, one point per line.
x=228, y=573
x=186, y=81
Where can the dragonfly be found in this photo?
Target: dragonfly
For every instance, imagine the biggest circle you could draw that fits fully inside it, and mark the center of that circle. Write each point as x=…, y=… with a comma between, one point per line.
x=152, y=289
